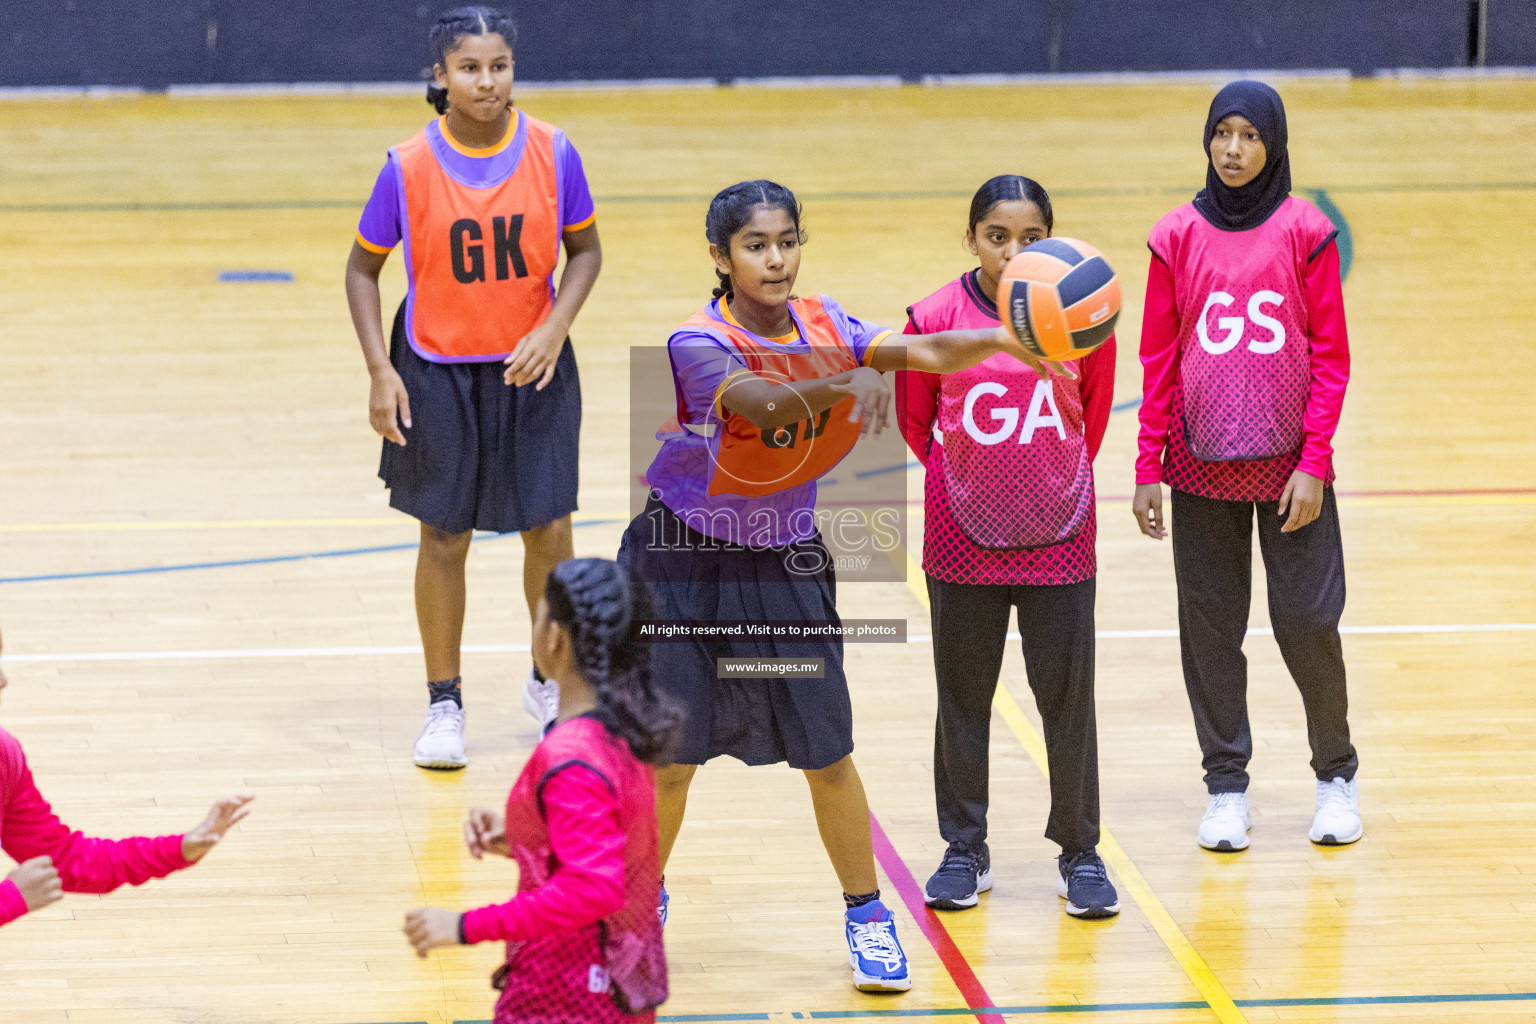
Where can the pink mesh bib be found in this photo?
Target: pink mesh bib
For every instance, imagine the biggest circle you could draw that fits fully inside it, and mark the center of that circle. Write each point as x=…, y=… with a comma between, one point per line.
x=1244, y=356
x=634, y=964
x=1009, y=446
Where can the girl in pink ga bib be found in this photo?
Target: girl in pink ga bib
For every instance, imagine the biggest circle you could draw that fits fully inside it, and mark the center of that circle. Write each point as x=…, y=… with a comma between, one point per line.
x=1008, y=522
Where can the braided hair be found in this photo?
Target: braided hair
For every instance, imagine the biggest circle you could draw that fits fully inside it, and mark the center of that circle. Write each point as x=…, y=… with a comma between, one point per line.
x=595, y=601
x=732, y=209
x=443, y=38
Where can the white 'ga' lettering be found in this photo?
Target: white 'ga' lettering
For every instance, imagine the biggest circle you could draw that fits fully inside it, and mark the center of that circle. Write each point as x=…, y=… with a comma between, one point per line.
x=1008, y=417
x=1044, y=398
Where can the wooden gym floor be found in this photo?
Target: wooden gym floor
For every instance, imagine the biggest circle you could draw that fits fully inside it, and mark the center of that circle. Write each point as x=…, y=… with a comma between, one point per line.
x=203, y=590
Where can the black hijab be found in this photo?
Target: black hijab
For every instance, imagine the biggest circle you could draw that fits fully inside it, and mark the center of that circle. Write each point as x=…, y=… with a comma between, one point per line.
x=1247, y=206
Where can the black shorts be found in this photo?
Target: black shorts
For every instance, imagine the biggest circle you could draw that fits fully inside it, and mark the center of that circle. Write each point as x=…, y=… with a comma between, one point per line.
x=480, y=454
x=807, y=722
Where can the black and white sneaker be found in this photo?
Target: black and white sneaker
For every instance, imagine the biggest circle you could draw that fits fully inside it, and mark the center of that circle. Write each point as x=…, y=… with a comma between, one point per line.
x=1085, y=885
x=964, y=873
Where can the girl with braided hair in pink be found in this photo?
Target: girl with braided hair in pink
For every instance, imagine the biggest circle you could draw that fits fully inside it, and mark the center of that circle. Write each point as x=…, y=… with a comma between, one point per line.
x=583, y=939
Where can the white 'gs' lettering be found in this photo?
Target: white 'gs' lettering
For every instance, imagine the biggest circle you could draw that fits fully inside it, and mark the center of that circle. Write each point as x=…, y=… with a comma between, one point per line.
x=1036, y=417
x=1234, y=325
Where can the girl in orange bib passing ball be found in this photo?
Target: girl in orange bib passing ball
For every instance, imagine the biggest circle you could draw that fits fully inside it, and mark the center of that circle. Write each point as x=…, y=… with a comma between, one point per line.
x=476, y=396
x=772, y=391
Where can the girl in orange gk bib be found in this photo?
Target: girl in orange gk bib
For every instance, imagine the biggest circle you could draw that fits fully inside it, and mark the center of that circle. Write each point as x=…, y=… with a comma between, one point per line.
x=476, y=395
x=1246, y=358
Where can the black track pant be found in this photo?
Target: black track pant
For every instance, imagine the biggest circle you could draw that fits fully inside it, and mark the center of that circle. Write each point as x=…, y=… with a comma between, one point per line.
x=970, y=627
x=1304, y=570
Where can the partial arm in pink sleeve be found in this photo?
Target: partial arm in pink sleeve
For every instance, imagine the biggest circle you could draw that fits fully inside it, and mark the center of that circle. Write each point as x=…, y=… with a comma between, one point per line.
x=1329, y=338
x=917, y=404
x=12, y=904
x=582, y=813
x=84, y=864
x=1160, y=370
x=1098, y=390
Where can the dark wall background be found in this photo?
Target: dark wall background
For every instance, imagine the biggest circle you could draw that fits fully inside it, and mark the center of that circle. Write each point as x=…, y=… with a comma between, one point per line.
x=154, y=43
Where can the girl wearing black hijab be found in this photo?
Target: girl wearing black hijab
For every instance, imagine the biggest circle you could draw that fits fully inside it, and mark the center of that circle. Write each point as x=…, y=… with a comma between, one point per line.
x=1246, y=358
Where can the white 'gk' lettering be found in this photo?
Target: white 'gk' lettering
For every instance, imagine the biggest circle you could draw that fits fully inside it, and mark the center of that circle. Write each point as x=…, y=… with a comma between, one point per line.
x=1234, y=325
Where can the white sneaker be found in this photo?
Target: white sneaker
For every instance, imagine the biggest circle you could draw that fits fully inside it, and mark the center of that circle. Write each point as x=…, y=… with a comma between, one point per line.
x=541, y=699
x=1225, y=825
x=441, y=743
x=1337, y=822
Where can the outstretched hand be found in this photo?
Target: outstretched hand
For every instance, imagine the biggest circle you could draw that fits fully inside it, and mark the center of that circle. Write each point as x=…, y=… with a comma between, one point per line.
x=38, y=881
x=871, y=400
x=1044, y=368
x=429, y=928
x=485, y=832
x=226, y=813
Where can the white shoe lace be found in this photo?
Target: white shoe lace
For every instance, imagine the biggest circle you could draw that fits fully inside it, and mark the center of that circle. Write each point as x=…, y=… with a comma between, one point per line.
x=443, y=717
x=1226, y=803
x=1334, y=796
x=876, y=940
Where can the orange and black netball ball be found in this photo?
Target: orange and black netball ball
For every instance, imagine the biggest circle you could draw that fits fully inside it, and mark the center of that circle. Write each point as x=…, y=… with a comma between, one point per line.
x=1060, y=298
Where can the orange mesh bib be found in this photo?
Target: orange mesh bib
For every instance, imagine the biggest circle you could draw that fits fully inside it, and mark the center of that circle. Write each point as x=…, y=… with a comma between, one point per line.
x=480, y=258
x=753, y=461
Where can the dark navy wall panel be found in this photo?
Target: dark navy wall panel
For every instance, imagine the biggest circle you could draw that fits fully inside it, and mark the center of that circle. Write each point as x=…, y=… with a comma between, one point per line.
x=1361, y=35
x=154, y=42
x=102, y=42
x=1512, y=32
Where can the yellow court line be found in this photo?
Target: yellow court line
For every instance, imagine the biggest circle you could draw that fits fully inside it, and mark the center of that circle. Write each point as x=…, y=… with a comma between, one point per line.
x=222, y=524
x=1193, y=964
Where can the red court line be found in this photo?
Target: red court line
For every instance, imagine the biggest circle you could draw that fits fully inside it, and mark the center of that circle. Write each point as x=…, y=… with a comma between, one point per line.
x=933, y=929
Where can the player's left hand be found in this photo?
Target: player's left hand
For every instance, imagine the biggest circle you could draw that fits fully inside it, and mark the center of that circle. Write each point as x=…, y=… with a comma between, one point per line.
x=225, y=815
x=429, y=928
x=1303, y=495
x=871, y=400
x=533, y=358
x=1044, y=368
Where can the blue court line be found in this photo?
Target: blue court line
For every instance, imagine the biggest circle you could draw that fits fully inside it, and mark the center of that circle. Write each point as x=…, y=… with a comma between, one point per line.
x=876, y=196
x=272, y=560
x=255, y=276
x=1050, y=1008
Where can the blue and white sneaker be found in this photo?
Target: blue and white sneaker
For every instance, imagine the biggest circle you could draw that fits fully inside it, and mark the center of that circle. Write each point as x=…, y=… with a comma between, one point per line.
x=878, y=963
x=1086, y=887
x=661, y=907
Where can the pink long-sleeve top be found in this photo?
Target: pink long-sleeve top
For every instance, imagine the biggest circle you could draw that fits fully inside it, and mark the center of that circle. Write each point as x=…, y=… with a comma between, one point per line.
x=582, y=931
x=1163, y=454
x=948, y=553
x=29, y=828
x=582, y=812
